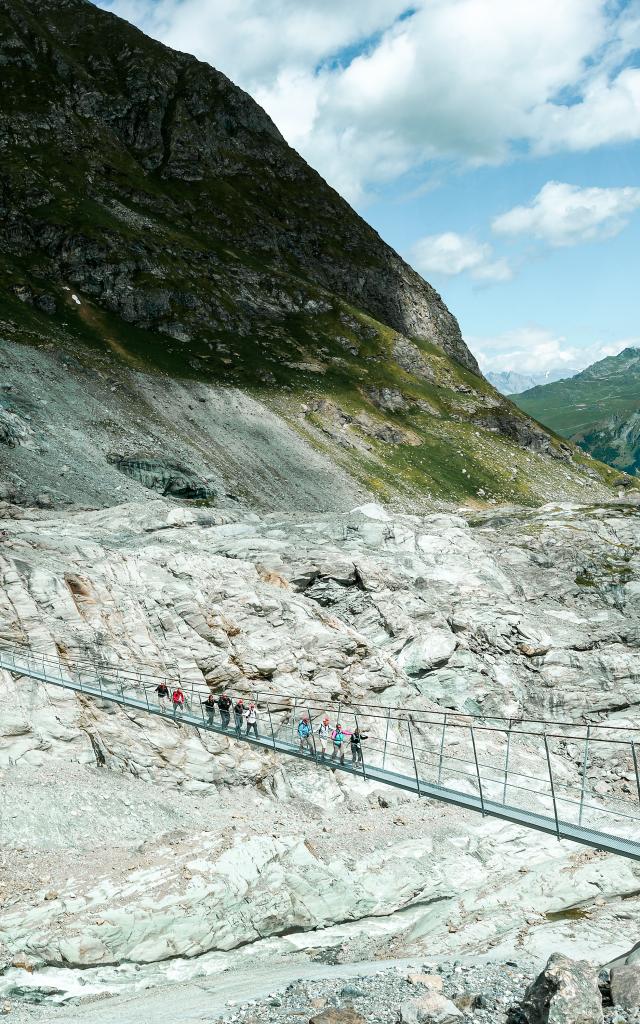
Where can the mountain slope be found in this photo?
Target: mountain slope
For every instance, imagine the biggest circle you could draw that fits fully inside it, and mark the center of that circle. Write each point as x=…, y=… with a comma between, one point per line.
x=157, y=230
x=599, y=408
x=508, y=382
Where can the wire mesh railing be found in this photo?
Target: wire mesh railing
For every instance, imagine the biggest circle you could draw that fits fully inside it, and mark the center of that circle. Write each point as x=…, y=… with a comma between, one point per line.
x=579, y=780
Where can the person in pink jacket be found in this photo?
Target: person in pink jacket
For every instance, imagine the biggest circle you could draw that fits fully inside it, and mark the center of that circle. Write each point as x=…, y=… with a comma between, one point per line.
x=339, y=738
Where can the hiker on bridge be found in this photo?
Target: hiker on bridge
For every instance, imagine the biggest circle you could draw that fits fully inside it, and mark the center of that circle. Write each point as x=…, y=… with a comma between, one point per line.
x=238, y=712
x=338, y=737
x=356, y=746
x=251, y=718
x=209, y=705
x=224, y=704
x=324, y=735
x=178, y=699
x=162, y=691
x=305, y=735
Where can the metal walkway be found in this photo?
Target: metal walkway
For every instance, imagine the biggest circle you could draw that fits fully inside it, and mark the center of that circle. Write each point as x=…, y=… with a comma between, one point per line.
x=532, y=773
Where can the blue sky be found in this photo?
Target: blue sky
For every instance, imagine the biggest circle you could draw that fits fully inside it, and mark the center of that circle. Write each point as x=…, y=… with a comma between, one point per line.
x=494, y=143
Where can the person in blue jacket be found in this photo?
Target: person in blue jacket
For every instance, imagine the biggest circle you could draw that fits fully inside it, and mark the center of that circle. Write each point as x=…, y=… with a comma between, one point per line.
x=304, y=735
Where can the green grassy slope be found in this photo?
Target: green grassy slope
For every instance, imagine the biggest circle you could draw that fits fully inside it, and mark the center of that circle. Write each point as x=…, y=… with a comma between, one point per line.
x=434, y=439
x=202, y=248
x=598, y=408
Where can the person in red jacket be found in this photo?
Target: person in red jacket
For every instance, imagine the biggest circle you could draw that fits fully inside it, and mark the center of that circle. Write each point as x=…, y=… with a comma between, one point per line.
x=177, y=699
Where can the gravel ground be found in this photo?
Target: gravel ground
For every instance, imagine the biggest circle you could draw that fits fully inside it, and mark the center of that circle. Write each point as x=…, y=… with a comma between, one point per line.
x=82, y=823
x=483, y=991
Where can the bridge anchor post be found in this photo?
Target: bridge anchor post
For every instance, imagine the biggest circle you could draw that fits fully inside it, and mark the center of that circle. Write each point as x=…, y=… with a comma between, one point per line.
x=441, y=756
x=635, y=766
x=553, y=791
x=413, y=754
x=475, y=757
x=583, y=781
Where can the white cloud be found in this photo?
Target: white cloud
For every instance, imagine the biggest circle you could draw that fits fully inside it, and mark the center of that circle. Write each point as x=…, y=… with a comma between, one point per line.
x=466, y=79
x=452, y=254
x=564, y=214
x=255, y=41
x=534, y=349
x=608, y=113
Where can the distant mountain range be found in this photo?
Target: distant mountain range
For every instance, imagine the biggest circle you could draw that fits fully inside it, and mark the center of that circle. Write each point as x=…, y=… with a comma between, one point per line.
x=599, y=409
x=509, y=382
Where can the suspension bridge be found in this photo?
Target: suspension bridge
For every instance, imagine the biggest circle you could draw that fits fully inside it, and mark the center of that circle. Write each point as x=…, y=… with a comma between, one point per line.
x=542, y=775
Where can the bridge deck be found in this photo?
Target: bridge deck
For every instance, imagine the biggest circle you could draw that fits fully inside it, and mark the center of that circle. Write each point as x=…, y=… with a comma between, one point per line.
x=600, y=840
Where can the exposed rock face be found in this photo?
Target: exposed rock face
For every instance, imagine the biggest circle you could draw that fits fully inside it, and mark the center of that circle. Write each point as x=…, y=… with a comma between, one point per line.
x=566, y=992
x=203, y=897
x=615, y=440
x=428, y=651
x=14, y=431
x=165, y=477
x=207, y=845
x=268, y=450
x=532, y=614
x=128, y=110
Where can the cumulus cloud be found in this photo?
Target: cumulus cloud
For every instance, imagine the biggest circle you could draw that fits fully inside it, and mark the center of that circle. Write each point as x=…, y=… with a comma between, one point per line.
x=452, y=254
x=564, y=214
x=373, y=88
x=255, y=41
x=608, y=113
x=534, y=349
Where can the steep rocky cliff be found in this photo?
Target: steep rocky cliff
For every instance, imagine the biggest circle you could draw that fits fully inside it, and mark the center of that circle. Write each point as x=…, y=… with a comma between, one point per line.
x=225, y=214
x=156, y=228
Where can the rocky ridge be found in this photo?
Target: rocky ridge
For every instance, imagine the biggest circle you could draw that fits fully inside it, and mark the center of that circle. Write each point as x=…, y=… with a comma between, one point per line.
x=162, y=247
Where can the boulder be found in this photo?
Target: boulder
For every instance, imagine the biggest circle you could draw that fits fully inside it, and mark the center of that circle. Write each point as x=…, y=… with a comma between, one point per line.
x=430, y=1008
x=565, y=992
x=427, y=980
x=625, y=985
x=337, y=1015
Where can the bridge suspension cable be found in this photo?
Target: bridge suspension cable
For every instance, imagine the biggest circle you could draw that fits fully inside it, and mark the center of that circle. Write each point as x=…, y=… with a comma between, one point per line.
x=530, y=772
